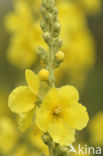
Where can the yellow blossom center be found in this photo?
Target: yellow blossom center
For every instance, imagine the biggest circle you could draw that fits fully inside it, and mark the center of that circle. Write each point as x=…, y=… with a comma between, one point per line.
x=57, y=110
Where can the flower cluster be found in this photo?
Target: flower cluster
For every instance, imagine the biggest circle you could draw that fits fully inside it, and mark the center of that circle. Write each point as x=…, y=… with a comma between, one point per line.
x=25, y=35
x=58, y=114
x=78, y=46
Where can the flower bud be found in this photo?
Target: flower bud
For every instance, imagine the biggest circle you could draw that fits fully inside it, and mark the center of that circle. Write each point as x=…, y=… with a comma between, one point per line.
x=55, y=11
x=57, y=27
x=43, y=74
x=42, y=63
x=60, y=56
x=56, y=30
x=50, y=16
x=46, y=37
x=44, y=3
x=43, y=26
x=43, y=10
x=58, y=43
x=45, y=139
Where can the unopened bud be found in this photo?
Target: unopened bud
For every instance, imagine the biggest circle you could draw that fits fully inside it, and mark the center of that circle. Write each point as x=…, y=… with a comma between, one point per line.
x=46, y=139
x=57, y=27
x=58, y=43
x=43, y=74
x=55, y=11
x=42, y=63
x=60, y=56
x=43, y=26
x=46, y=37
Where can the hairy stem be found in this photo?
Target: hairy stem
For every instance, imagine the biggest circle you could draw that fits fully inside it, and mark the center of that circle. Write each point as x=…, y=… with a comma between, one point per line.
x=51, y=29
x=51, y=69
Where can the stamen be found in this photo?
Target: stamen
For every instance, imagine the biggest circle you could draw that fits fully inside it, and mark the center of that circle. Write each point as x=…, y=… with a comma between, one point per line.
x=57, y=110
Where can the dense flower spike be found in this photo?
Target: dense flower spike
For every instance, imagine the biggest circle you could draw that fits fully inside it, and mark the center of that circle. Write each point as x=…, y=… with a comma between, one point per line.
x=61, y=113
x=22, y=46
x=26, y=35
x=58, y=114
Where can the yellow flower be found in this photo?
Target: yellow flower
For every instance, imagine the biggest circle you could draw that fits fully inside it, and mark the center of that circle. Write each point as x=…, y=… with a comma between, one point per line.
x=91, y=6
x=96, y=129
x=79, y=58
x=77, y=20
x=25, y=120
x=60, y=114
x=22, y=99
x=21, y=50
x=26, y=35
x=78, y=44
x=8, y=135
x=21, y=19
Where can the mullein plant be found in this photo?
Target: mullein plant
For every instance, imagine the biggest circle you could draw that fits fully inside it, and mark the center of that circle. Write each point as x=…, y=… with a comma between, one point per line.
x=23, y=25
x=58, y=114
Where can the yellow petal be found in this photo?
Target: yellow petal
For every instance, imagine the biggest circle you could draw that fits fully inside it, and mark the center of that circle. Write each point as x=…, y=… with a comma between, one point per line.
x=44, y=114
x=11, y=22
x=43, y=118
x=25, y=120
x=76, y=116
x=69, y=92
x=21, y=100
x=61, y=132
x=51, y=99
x=34, y=130
x=32, y=81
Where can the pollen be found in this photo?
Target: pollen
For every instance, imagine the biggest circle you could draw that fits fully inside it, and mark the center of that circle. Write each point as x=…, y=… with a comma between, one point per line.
x=57, y=110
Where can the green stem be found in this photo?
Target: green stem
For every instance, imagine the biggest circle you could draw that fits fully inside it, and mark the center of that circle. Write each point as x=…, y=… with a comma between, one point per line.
x=51, y=149
x=51, y=29
x=51, y=69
